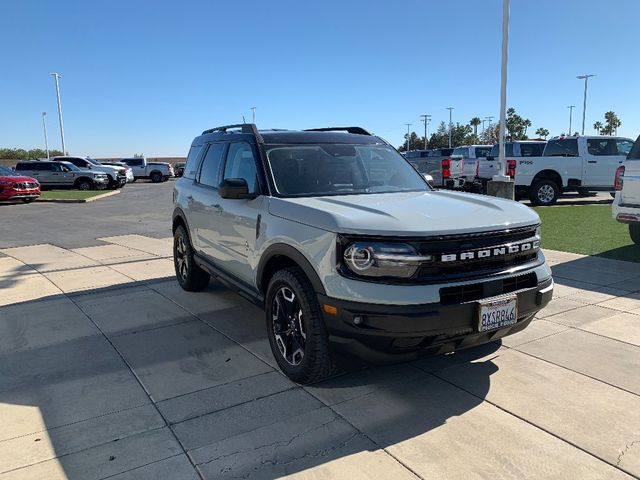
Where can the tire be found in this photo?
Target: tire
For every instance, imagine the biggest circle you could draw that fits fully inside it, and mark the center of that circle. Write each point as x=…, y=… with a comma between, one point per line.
x=300, y=347
x=634, y=232
x=84, y=184
x=156, y=177
x=189, y=275
x=544, y=193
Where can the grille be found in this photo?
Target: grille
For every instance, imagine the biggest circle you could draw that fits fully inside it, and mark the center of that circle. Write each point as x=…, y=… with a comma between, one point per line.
x=25, y=185
x=476, y=291
x=453, y=247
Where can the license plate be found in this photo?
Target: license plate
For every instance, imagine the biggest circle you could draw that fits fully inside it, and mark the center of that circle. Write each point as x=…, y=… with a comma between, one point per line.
x=497, y=313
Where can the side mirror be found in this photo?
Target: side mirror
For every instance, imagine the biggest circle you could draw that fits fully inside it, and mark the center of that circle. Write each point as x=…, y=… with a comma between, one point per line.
x=235, y=188
x=428, y=178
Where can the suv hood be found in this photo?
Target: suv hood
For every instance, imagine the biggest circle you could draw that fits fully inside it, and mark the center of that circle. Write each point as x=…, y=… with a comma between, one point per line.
x=405, y=214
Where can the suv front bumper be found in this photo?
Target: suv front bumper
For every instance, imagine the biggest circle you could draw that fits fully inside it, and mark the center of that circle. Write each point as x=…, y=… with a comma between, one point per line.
x=388, y=333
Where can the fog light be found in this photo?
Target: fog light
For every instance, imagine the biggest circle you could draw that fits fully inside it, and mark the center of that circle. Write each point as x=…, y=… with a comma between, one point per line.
x=357, y=320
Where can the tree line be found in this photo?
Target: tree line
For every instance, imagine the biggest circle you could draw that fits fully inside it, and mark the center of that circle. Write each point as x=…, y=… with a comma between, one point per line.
x=518, y=128
x=22, y=154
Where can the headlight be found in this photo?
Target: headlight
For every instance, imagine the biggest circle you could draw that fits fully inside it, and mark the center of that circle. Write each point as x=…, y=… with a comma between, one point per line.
x=538, y=231
x=373, y=259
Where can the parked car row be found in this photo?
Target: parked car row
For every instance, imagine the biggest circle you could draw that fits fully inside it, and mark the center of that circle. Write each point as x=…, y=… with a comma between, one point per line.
x=155, y=171
x=59, y=173
x=542, y=170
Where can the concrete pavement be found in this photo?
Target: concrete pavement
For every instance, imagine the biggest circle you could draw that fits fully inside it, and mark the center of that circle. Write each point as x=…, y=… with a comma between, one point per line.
x=109, y=370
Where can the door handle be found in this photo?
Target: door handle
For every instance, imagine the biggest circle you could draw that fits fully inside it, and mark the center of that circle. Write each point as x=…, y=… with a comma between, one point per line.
x=592, y=161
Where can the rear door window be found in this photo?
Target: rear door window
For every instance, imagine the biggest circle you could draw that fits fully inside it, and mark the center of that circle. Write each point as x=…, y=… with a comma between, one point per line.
x=191, y=166
x=601, y=147
x=464, y=151
x=624, y=146
x=562, y=147
x=482, y=152
x=210, y=168
x=531, y=149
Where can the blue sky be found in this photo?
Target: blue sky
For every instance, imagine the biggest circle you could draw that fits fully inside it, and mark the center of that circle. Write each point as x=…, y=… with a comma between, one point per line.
x=146, y=77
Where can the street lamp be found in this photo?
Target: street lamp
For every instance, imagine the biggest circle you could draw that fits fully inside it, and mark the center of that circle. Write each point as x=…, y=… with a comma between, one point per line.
x=408, y=135
x=57, y=76
x=44, y=126
x=450, y=124
x=584, y=77
x=253, y=112
x=425, y=120
x=571, y=107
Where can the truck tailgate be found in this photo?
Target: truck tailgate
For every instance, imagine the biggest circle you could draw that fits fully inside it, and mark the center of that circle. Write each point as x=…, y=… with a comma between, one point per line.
x=487, y=168
x=456, y=166
x=631, y=183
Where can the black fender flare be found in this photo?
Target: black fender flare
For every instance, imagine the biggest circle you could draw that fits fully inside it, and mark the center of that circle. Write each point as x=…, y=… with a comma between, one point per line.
x=285, y=250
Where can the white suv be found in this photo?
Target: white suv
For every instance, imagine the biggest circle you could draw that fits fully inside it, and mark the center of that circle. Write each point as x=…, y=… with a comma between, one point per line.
x=346, y=247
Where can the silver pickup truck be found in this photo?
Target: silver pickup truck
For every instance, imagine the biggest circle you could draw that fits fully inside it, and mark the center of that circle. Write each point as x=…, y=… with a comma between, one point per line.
x=446, y=170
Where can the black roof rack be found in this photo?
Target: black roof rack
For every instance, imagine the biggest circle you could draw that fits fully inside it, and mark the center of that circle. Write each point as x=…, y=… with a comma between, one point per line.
x=354, y=130
x=244, y=128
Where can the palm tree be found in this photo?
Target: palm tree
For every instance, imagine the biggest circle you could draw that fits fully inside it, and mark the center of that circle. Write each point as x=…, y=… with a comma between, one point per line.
x=475, y=121
x=526, y=124
x=542, y=132
x=598, y=127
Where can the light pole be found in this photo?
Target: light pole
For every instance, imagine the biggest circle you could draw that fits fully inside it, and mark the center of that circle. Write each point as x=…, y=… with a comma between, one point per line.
x=44, y=126
x=570, y=107
x=425, y=120
x=253, y=112
x=450, y=124
x=57, y=76
x=584, y=77
x=503, y=89
x=408, y=135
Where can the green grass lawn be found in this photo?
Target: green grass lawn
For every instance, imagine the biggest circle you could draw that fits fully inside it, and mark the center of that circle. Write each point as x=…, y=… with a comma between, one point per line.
x=71, y=194
x=587, y=229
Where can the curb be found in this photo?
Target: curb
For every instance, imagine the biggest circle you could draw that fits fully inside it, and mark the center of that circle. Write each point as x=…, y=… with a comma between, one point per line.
x=78, y=200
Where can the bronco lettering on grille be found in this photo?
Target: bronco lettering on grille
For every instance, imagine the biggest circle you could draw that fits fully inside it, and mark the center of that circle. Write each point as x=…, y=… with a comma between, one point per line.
x=491, y=252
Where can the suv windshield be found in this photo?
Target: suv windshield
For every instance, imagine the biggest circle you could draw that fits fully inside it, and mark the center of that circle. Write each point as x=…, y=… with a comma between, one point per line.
x=339, y=169
x=7, y=172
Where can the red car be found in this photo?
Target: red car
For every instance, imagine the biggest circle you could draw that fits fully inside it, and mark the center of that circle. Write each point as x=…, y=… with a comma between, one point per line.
x=16, y=187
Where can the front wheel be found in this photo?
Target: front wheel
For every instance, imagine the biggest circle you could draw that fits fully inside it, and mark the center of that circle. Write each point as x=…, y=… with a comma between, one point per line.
x=295, y=328
x=189, y=275
x=156, y=177
x=544, y=193
x=634, y=232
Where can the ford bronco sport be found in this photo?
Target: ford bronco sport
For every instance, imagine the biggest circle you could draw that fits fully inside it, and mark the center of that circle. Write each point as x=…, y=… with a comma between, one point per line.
x=346, y=247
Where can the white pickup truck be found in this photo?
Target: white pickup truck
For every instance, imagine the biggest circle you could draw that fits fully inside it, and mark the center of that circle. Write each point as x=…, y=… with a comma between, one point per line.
x=626, y=204
x=155, y=171
x=568, y=164
x=446, y=170
x=471, y=155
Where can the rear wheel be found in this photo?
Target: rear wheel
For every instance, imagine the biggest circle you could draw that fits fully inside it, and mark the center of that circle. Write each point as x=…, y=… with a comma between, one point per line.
x=190, y=276
x=156, y=177
x=634, y=232
x=544, y=192
x=295, y=328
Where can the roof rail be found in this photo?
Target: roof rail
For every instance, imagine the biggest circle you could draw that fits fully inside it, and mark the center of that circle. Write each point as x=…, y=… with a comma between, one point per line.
x=355, y=130
x=244, y=128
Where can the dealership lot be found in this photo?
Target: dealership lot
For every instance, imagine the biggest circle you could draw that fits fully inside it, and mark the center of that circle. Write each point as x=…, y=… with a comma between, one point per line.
x=109, y=369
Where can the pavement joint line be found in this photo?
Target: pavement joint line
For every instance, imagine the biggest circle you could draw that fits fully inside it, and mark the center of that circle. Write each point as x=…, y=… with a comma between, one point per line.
x=80, y=450
x=76, y=422
x=147, y=464
x=534, y=425
x=555, y=275
x=144, y=388
x=215, y=386
x=574, y=371
x=153, y=328
x=585, y=331
x=540, y=338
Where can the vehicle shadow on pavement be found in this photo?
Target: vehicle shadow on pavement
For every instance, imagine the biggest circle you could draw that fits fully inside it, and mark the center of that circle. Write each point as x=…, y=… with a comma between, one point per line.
x=130, y=378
